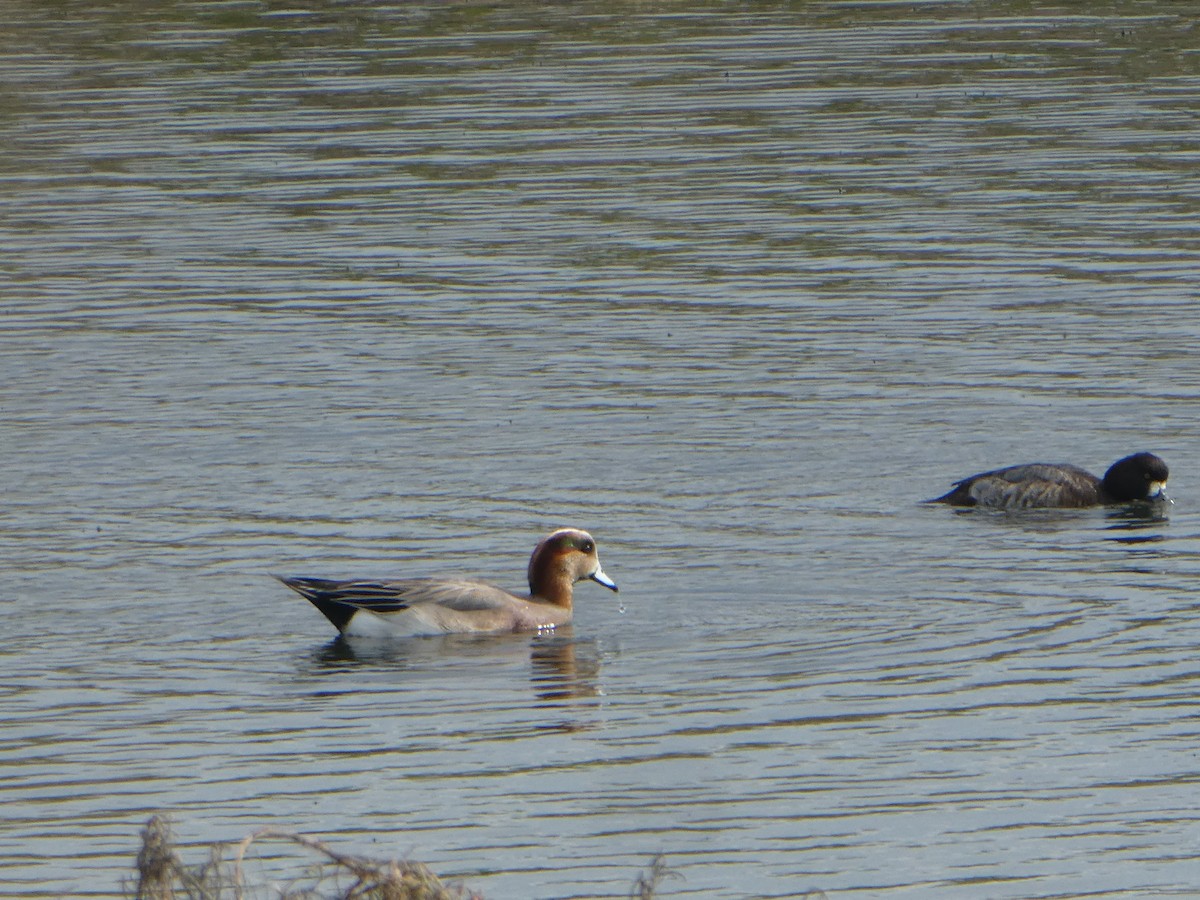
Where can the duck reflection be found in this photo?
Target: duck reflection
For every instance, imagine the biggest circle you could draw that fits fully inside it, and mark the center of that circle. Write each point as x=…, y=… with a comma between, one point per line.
x=1130, y=517
x=561, y=666
x=1137, y=524
x=564, y=668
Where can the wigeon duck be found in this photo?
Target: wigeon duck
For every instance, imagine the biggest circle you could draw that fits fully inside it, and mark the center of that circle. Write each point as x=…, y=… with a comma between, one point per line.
x=1141, y=477
x=412, y=606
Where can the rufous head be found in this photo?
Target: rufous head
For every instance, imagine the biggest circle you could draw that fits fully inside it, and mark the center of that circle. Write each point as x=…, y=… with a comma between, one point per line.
x=562, y=559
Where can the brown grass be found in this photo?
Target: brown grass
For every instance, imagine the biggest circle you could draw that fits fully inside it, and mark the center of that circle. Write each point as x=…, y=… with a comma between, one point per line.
x=162, y=875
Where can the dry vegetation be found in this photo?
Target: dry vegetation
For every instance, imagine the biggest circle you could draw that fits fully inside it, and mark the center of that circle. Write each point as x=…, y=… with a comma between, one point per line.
x=162, y=875
x=328, y=875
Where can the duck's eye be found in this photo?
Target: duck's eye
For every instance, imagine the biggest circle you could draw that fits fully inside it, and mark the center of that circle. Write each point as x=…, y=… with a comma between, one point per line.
x=587, y=546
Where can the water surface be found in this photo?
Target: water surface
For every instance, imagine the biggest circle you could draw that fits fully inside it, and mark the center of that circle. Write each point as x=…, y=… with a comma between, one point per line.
x=369, y=290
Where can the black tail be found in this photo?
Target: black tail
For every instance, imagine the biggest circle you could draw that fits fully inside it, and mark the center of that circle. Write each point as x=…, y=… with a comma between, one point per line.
x=318, y=592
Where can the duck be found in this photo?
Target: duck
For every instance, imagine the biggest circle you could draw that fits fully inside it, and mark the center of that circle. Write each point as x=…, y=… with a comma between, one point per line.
x=454, y=605
x=1140, y=477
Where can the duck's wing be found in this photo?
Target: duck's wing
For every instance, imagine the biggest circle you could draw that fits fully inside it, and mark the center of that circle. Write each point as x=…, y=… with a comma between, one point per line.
x=414, y=606
x=383, y=597
x=1027, y=486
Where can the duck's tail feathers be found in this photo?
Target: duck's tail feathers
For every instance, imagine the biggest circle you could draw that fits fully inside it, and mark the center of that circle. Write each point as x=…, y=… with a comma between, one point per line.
x=320, y=592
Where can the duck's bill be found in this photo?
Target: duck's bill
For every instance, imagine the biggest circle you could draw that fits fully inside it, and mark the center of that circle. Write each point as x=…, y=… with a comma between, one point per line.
x=600, y=578
x=1158, y=492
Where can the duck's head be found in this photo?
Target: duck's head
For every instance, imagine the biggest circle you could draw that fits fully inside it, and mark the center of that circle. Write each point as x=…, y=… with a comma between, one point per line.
x=562, y=559
x=1142, y=476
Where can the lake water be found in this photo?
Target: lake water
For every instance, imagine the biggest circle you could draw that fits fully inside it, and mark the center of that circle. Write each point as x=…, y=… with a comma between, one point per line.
x=365, y=289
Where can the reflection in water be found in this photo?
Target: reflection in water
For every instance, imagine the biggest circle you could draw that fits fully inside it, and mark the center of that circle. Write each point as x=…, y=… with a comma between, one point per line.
x=1131, y=517
x=561, y=666
x=343, y=655
x=1139, y=517
x=564, y=667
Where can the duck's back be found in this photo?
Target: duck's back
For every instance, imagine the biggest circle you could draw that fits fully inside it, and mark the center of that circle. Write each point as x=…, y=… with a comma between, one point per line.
x=1027, y=486
x=412, y=605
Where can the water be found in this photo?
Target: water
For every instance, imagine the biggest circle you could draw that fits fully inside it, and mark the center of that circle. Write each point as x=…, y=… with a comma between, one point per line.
x=370, y=290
